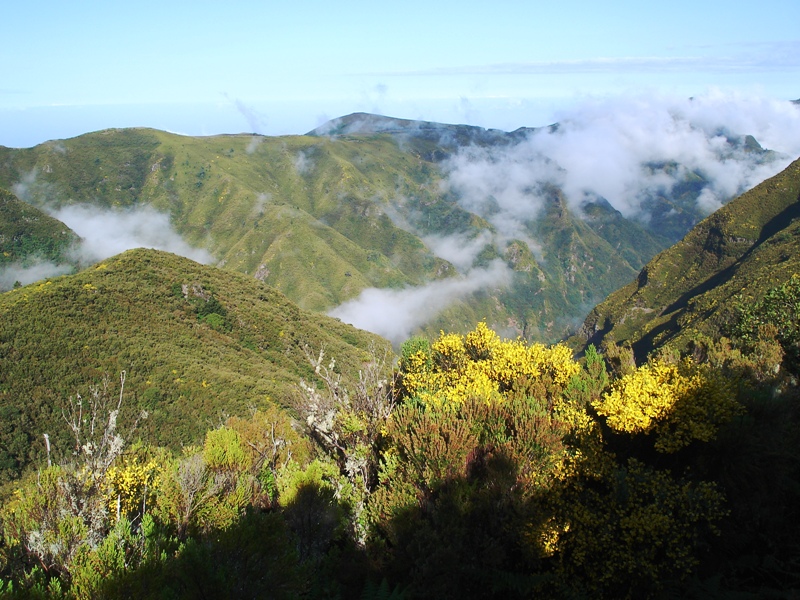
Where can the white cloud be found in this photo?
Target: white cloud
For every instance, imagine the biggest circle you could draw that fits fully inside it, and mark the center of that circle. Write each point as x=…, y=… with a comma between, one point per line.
x=396, y=314
x=16, y=272
x=459, y=250
x=253, y=144
x=109, y=232
x=303, y=163
x=603, y=148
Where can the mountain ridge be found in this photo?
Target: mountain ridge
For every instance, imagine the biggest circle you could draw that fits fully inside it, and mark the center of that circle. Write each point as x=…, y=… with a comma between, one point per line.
x=323, y=219
x=690, y=287
x=362, y=123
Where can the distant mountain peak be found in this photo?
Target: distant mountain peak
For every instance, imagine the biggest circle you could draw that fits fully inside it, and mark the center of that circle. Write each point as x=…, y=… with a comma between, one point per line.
x=369, y=123
x=361, y=123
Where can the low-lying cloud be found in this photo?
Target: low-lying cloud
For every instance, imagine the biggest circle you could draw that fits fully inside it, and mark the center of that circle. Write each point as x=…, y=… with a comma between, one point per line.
x=303, y=163
x=105, y=233
x=609, y=148
x=626, y=150
x=458, y=250
x=30, y=272
x=396, y=314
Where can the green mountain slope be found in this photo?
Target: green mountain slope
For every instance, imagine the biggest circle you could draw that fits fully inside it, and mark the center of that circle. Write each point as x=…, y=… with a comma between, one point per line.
x=354, y=205
x=729, y=259
x=27, y=234
x=197, y=343
x=298, y=213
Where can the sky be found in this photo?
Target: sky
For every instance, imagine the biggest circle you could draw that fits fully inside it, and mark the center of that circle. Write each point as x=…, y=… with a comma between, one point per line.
x=275, y=68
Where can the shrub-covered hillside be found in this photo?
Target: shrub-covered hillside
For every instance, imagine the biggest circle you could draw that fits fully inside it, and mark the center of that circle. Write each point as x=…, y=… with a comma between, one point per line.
x=485, y=468
x=727, y=262
x=197, y=344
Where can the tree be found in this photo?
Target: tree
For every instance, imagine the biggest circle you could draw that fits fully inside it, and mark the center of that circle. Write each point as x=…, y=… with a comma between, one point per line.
x=346, y=420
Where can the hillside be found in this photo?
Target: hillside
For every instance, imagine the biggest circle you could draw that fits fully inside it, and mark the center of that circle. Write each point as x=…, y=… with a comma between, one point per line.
x=197, y=343
x=28, y=236
x=249, y=199
x=728, y=260
x=366, y=202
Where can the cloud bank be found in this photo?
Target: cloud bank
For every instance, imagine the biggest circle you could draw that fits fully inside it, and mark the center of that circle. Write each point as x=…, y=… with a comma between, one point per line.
x=104, y=233
x=395, y=314
x=108, y=232
x=614, y=148
x=29, y=273
x=609, y=148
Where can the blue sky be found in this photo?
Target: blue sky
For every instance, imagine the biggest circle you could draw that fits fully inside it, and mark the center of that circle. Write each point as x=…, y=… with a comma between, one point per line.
x=284, y=67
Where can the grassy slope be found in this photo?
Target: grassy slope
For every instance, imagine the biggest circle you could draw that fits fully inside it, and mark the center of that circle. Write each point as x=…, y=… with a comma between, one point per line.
x=241, y=196
x=734, y=255
x=129, y=313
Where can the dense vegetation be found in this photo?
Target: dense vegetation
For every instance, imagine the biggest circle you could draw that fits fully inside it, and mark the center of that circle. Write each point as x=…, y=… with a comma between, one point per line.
x=481, y=468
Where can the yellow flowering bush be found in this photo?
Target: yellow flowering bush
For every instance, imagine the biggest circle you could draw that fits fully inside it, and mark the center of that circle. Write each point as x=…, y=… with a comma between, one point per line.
x=456, y=367
x=131, y=486
x=679, y=402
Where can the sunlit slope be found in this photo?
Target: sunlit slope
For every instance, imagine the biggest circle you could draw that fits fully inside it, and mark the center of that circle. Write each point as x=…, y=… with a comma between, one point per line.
x=323, y=218
x=306, y=215
x=197, y=343
x=729, y=259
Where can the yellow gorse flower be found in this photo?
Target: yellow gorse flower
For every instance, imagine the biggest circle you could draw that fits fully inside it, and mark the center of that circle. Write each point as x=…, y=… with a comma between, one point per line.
x=482, y=365
x=680, y=402
x=130, y=485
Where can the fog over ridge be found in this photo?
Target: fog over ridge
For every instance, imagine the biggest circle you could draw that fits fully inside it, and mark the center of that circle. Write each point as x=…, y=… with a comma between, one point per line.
x=396, y=313
x=606, y=148
x=108, y=232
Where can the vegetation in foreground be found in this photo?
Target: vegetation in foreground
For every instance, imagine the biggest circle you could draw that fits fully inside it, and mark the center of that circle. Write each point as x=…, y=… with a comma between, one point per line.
x=477, y=468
